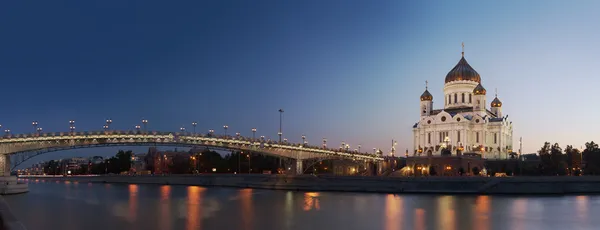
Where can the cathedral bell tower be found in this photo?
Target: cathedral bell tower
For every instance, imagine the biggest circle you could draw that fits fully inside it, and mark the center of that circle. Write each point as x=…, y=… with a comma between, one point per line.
x=426, y=102
x=497, y=106
x=479, y=99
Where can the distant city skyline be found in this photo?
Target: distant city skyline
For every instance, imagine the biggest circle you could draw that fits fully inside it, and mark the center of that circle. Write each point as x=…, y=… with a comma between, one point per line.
x=347, y=71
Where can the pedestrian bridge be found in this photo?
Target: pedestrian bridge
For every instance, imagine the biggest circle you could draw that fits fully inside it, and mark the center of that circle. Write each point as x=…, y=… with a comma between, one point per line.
x=25, y=146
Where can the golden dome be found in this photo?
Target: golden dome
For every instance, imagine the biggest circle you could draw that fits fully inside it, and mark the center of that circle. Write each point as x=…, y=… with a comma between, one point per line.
x=479, y=90
x=463, y=72
x=426, y=96
x=496, y=102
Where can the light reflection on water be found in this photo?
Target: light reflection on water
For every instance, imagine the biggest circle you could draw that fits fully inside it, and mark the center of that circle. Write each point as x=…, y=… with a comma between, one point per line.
x=311, y=201
x=68, y=206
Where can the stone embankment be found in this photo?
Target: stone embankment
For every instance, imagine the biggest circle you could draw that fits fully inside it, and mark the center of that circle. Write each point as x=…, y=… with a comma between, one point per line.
x=436, y=185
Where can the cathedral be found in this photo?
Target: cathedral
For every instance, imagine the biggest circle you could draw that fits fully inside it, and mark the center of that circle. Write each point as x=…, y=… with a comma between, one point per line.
x=465, y=125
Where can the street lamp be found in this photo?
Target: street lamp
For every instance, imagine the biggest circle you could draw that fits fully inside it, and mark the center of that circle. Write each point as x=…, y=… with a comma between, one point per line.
x=35, y=124
x=262, y=138
x=324, y=143
x=253, y=133
x=105, y=127
x=144, y=121
x=182, y=129
x=303, y=140
x=194, y=124
x=210, y=132
x=137, y=127
x=225, y=127
x=359, y=148
x=39, y=130
x=374, y=150
x=285, y=140
x=237, y=135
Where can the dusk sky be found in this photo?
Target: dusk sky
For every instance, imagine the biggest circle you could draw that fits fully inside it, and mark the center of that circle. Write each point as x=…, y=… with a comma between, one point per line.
x=346, y=70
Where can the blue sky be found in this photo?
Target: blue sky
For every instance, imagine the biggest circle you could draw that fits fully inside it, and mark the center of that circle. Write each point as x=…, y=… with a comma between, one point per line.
x=346, y=70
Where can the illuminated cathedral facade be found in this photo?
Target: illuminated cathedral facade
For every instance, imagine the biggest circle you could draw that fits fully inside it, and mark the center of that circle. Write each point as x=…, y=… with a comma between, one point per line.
x=465, y=125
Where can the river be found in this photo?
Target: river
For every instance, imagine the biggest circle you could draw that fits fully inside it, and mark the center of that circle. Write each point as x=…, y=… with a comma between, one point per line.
x=86, y=206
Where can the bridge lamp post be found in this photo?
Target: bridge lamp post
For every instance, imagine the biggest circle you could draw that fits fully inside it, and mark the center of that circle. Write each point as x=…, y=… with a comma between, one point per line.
x=211, y=132
x=182, y=129
x=72, y=129
x=253, y=133
x=145, y=122
x=237, y=135
x=280, y=123
x=262, y=138
x=72, y=125
x=194, y=124
x=105, y=127
x=35, y=124
x=285, y=140
x=108, y=122
x=324, y=143
x=374, y=150
x=303, y=140
x=359, y=148
x=225, y=127
x=137, y=127
x=7, y=131
x=39, y=130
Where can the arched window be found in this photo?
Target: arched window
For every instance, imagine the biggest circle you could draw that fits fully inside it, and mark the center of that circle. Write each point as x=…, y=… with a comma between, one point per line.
x=470, y=101
x=463, y=98
x=449, y=99
x=455, y=98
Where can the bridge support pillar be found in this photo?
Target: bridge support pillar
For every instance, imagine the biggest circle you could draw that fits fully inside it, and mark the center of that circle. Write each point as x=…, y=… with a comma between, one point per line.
x=299, y=168
x=379, y=168
x=5, y=165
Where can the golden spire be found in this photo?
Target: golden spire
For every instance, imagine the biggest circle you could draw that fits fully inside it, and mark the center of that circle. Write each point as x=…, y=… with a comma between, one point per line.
x=426, y=83
x=463, y=49
x=496, y=92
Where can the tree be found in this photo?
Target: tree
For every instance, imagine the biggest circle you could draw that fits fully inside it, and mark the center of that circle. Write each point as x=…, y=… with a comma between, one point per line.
x=180, y=164
x=446, y=152
x=475, y=171
x=432, y=171
x=558, y=162
x=591, y=157
x=546, y=159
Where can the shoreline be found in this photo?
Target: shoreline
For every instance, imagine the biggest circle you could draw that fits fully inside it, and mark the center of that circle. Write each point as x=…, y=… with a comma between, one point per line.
x=544, y=185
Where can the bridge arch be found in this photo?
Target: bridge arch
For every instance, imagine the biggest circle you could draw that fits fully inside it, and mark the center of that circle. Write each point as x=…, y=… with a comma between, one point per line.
x=35, y=145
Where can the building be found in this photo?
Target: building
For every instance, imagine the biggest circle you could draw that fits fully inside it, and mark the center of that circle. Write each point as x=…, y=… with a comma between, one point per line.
x=465, y=124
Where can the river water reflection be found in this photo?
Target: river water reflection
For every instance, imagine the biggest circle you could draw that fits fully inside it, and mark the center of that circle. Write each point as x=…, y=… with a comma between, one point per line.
x=76, y=206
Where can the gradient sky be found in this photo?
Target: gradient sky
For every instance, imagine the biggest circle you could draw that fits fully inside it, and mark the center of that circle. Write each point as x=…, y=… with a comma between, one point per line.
x=346, y=70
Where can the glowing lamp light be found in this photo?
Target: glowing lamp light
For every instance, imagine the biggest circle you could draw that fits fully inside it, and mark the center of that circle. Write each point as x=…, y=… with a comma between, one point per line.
x=214, y=169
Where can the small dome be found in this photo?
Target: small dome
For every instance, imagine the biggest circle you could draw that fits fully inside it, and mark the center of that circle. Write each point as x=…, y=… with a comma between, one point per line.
x=463, y=72
x=479, y=90
x=426, y=96
x=496, y=102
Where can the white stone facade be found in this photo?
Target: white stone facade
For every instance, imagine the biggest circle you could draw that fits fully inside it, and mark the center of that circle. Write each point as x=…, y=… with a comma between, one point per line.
x=465, y=124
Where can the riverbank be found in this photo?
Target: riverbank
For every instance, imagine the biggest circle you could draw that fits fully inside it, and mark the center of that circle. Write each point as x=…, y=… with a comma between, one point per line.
x=436, y=185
